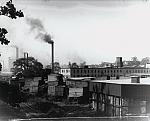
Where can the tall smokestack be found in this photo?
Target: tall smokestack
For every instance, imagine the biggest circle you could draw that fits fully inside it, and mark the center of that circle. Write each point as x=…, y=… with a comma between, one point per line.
x=36, y=25
x=47, y=38
x=52, y=57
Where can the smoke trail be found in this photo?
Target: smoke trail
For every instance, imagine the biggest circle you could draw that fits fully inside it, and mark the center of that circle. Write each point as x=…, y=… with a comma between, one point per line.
x=36, y=25
x=47, y=38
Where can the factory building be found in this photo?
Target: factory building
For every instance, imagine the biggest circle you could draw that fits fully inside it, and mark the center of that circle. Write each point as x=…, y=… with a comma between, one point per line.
x=112, y=72
x=115, y=70
x=121, y=97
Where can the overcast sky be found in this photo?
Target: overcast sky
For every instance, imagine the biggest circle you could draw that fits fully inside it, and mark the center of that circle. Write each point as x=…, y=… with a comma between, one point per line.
x=82, y=30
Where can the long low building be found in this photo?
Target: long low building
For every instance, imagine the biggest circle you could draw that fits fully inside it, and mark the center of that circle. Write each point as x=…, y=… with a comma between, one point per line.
x=101, y=72
x=121, y=97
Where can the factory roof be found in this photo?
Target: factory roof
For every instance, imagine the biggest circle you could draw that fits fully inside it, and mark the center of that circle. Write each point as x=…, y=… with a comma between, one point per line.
x=81, y=78
x=143, y=81
x=124, y=67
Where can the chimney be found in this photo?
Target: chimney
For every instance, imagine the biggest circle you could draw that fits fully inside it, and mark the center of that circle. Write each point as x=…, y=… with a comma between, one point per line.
x=52, y=57
x=119, y=62
x=135, y=79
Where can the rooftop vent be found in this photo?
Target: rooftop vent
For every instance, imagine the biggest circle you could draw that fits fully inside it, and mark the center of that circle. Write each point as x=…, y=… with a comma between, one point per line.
x=135, y=79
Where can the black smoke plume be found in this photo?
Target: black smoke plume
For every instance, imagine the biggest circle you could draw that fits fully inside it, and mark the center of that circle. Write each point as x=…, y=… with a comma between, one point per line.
x=36, y=25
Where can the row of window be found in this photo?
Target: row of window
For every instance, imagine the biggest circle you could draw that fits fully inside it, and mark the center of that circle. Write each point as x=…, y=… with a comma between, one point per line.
x=96, y=71
x=65, y=70
x=112, y=71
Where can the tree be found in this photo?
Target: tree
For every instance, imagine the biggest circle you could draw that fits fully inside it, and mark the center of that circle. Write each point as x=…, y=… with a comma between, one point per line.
x=10, y=11
x=135, y=61
x=74, y=65
x=56, y=67
x=83, y=64
x=28, y=67
x=145, y=60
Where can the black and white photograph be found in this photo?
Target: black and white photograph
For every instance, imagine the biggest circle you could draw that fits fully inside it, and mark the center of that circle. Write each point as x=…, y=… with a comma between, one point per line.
x=74, y=60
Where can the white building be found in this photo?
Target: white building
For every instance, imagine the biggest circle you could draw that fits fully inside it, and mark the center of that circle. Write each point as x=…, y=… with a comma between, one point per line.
x=148, y=65
x=66, y=72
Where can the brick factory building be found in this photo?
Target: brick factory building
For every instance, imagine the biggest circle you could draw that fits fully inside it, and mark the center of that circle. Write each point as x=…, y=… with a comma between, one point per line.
x=115, y=70
x=112, y=72
x=101, y=72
